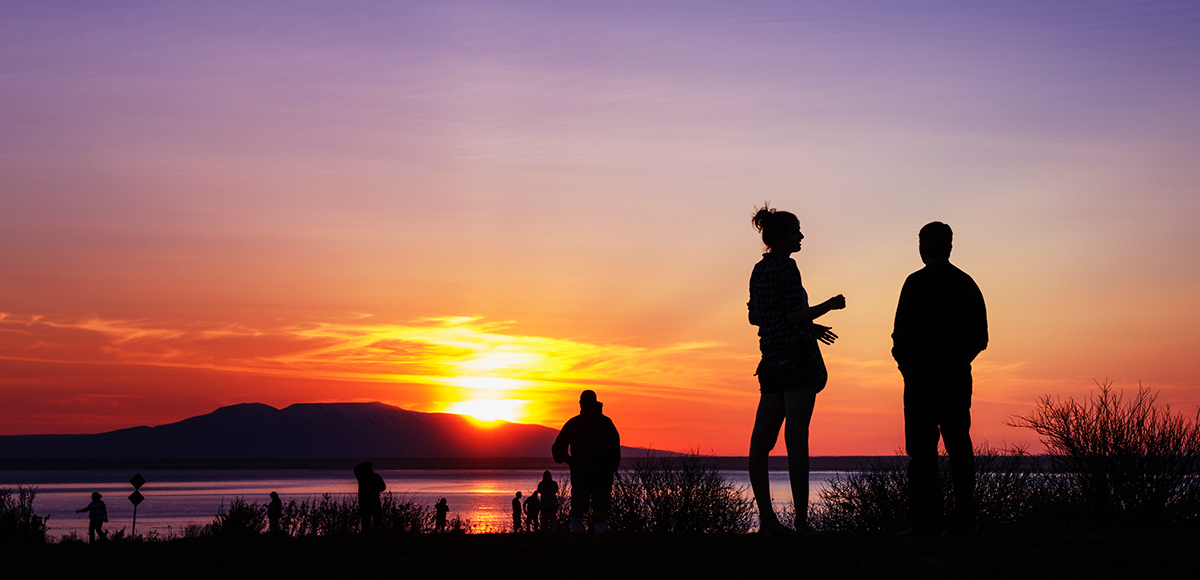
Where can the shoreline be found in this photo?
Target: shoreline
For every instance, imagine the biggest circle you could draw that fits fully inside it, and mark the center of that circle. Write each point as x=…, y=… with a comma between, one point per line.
x=731, y=463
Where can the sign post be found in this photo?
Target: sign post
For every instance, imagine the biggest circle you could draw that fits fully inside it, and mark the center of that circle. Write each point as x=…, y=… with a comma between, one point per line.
x=136, y=497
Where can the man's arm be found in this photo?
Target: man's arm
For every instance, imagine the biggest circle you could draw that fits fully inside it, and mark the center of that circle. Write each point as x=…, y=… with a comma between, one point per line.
x=979, y=326
x=616, y=447
x=902, y=328
x=561, y=448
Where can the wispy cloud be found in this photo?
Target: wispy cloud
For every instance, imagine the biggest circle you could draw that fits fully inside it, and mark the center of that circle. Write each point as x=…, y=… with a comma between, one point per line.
x=468, y=357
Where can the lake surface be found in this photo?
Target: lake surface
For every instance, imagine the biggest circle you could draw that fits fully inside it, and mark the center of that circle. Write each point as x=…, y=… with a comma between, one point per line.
x=175, y=498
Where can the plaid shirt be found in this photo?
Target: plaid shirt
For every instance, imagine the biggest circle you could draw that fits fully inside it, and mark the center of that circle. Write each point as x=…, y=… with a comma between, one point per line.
x=776, y=290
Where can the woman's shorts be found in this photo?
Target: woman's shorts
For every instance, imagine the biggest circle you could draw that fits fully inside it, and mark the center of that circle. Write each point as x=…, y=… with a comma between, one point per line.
x=807, y=373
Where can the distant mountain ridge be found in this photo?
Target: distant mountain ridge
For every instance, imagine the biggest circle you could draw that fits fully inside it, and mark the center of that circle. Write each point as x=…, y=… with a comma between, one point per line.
x=303, y=430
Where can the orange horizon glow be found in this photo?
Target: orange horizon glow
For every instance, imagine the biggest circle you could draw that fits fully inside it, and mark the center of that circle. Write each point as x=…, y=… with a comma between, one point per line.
x=697, y=392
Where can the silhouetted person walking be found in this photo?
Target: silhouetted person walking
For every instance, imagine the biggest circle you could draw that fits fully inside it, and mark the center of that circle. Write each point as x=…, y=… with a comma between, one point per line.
x=516, y=505
x=941, y=326
x=791, y=371
x=97, y=515
x=548, y=490
x=590, y=445
x=440, y=509
x=370, y=485
x=274, y=512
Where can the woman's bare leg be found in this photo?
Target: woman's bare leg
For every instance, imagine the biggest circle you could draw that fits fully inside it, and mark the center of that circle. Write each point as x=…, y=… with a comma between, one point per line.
x=799, y=409
x=767, y=421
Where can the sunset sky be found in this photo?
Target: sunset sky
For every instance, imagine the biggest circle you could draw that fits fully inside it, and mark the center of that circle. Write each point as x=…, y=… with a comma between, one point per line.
x=486, y=207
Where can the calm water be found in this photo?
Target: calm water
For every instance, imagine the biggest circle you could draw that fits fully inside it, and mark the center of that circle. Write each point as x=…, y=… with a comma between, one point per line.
x=176, y=498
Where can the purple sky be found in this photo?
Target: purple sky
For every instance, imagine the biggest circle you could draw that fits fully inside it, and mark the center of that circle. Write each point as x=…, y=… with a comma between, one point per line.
x=587, y=172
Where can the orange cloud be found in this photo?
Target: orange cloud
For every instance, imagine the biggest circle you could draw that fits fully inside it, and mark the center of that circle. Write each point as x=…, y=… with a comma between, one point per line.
x=462, y=362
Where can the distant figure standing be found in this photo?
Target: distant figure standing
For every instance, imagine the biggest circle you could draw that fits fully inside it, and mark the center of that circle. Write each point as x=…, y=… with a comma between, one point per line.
x=370, y=485
x=516, y=505
x=548, y=489
x=440, y=517
x=941, y=326
x=791, y=371
x=590, y=445
x=97, y=515
x=274, y=512
x=533, y=508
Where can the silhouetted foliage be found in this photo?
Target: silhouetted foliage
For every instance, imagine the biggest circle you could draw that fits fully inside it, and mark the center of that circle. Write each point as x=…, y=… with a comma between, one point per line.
x=875, y=498
x=563, y=513
x=1113, y=461
x=323, y=516
x=1122, y=460
x=329, y=516
x=1011, y=491
x=18, y=522
x=242, y=518
x=459, y=525
x=684, y=494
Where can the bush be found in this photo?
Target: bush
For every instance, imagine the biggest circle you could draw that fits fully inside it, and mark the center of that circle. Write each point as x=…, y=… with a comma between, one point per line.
x=875, y=498
x=321, y=517
x=1113, y=461
x=328, y=516
x=18, y=522
x=402, y=515
x=1011, y=491
x=1122, y=460
x=241, y=519
x=684, y=494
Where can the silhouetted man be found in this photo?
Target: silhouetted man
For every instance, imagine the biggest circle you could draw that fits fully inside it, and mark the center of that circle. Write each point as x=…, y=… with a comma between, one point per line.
x=370, y=485
x=941, y=326
x=516, y=504
x=590, y=444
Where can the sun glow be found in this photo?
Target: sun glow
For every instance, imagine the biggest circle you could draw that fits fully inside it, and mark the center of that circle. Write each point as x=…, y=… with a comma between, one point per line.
x=511, y=410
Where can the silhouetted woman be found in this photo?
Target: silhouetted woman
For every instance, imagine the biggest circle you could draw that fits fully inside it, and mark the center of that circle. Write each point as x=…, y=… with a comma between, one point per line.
x=792, y=371
x=548, y=489
x=97, y=515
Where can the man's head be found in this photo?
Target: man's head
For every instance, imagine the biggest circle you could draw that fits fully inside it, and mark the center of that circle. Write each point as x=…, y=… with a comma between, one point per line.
x=588, y=402
x=936, y=240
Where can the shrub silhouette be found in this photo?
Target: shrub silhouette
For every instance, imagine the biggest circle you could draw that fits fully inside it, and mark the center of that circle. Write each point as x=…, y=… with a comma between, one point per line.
x=243, y=518
x=330, y=516
x=875, y=498
x=323, y=516
x=1011, y=491
x=1112, y=461
x=684, y=494
x=1122, y=460
x=18, y=522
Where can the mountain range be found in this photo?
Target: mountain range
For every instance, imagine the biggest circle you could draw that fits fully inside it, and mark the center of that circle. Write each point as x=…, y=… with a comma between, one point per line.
x=307, y=430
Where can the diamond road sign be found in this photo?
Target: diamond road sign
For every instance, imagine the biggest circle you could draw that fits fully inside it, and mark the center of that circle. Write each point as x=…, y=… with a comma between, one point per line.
x=136, y=497
x=138, y=481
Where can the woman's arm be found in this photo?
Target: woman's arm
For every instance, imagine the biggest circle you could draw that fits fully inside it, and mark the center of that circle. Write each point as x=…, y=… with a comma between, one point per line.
x=813, y=312
x=824, y=333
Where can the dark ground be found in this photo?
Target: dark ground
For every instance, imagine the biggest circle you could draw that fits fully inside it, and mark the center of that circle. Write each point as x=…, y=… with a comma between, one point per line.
x=1124, y=554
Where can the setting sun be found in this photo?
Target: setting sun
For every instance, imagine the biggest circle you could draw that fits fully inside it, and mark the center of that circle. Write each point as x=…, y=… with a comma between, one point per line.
x=502, y=410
